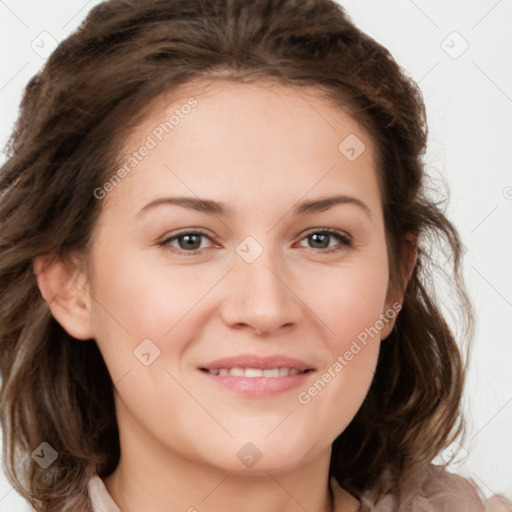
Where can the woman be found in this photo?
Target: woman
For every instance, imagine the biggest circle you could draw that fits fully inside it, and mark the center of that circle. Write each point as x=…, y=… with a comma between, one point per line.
x=215, y=262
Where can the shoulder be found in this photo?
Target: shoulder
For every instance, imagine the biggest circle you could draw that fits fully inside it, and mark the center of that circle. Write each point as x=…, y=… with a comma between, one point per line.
x=442, y=490
x=430, y=488
x=99, y=497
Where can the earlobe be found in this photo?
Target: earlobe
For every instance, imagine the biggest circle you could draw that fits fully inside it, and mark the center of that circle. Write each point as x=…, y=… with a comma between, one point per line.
x=63, y=287
x=394, y=301
x=409, y=255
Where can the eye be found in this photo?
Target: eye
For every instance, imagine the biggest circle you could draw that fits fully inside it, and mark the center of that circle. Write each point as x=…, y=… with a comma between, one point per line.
x=189, y=242
x=321, y=238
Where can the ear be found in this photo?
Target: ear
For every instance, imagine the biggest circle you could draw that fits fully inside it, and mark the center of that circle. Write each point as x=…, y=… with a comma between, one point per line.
x=395, y=297
x=63, y=286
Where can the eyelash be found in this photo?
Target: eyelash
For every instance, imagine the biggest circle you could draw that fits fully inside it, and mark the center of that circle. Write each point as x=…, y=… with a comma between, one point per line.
x=345, y=240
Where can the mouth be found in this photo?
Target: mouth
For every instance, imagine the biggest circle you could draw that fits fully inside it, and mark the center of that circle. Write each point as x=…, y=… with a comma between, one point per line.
x=258, y=376
x=272, y=373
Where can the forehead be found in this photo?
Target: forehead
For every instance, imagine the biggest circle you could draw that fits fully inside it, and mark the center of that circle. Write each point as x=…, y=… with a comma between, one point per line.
x=295, y=113
x=211, y=137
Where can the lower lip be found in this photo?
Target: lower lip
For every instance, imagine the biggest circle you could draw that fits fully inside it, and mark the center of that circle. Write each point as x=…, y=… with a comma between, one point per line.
x=260, y=386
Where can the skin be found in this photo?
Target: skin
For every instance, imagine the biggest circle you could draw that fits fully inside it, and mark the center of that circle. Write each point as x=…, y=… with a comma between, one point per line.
x=261, y=149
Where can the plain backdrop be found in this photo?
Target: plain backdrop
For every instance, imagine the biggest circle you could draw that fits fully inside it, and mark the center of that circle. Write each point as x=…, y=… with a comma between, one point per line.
x=460, y=53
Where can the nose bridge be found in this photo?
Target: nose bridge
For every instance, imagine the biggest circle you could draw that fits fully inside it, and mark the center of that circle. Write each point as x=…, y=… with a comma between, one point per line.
x=259, y=268
x=260, y=295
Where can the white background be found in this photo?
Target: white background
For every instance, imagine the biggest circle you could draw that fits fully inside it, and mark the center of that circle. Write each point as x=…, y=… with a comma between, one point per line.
x=469, y=108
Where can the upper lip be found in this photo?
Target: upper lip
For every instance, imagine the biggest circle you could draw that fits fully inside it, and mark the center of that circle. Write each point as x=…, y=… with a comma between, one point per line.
x=253, y=361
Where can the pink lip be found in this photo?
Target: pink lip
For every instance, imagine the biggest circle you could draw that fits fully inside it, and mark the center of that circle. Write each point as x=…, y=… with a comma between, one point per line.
x=263, y=363
x=258, y=386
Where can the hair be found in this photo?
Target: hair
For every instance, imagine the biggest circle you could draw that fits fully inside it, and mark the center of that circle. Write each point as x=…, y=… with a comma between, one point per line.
x=74, y=117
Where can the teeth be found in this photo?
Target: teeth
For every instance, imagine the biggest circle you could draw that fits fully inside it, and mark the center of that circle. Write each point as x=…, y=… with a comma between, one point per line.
x=256, y=372
x=250, y=372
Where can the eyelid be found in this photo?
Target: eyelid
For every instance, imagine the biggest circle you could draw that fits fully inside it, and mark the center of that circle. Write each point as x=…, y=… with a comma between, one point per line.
x=331, y=231
x=346, y=240
x=164, y=241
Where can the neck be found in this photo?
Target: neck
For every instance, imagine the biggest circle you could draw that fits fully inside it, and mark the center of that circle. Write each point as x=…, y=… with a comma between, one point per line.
x=222, y=491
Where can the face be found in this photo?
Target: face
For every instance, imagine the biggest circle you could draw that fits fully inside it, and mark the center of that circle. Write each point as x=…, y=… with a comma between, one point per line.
x=244, y=321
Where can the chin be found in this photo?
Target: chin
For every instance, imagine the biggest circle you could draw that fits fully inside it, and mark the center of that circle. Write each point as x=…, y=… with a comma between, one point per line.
x=260, y=456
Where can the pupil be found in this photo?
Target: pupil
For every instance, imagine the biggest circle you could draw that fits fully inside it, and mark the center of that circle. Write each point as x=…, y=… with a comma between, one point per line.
x=189, y=242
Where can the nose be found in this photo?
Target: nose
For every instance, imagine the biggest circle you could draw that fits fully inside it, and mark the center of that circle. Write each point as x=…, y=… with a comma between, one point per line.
x=260, y=297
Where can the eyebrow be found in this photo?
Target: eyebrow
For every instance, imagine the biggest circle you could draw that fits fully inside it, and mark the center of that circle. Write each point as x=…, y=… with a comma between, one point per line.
x=211, y=207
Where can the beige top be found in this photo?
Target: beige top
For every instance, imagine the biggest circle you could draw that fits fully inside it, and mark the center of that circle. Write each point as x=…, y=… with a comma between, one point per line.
x=427, y=489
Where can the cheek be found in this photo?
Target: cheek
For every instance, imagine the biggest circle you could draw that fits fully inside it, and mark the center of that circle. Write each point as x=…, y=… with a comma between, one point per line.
x=147, y=300
x=349, y=301
x=136, y=301
x=350, y=309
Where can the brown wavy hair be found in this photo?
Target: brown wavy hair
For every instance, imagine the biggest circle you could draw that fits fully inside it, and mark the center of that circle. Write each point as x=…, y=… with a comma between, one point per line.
x=74, y=117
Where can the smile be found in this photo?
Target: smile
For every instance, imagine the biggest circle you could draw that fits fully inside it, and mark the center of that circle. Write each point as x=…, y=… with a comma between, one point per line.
x=255, y=372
